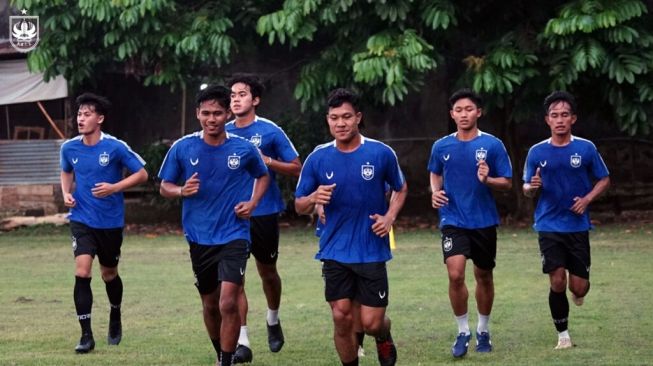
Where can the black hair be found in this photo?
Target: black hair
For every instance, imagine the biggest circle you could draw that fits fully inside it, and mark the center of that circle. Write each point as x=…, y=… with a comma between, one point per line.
x=339, y=96
x=218, y=93
x=100, y=104
x=465, y=93
x=251, y=80
x=559, y=96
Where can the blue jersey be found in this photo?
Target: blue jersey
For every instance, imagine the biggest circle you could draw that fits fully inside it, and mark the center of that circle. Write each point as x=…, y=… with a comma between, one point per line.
x=225, y=173
x=273, y=142
x=102, y=162
x=360, y=177
x=566, y=172
x=471, y=204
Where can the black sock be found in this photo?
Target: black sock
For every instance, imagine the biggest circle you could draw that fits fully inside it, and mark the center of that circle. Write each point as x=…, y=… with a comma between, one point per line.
x=360, y=336
x=216, y=345
x=559, y=306
x=114, y=292
x=350, y=363
x=226, y=358
x=83, y=297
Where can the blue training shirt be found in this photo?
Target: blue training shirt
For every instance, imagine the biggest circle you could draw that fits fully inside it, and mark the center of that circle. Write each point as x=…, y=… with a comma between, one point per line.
x=360, y=177
x=471, y=204
x=566, y=172
x=273, y=142
x=225, y=173
x=102, y=162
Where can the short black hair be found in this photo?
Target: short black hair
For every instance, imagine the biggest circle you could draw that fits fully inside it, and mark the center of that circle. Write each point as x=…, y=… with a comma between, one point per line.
x=100, y=104
x=559, y=96
x=218, y=93
x=339, y=96
x=255, y=85
x=465, y=93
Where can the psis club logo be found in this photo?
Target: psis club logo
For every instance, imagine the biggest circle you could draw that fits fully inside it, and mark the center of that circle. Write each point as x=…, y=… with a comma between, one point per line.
x=24, y=31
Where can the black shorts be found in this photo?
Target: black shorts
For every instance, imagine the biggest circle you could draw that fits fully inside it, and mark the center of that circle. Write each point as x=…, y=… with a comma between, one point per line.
x=478, y=244
x=215, y=263
x=105, y=243
x=367, y=283
x=265, y=238
x=567, y=250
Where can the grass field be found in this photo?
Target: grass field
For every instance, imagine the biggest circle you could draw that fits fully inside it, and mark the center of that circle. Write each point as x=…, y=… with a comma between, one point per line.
x=162, y=323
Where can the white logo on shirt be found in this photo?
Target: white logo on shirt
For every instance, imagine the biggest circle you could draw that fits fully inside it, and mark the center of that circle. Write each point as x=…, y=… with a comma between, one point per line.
x=104, y=159
x=75, y=160
x=329, y=176
x=575, y=160
x=481, y=154
x=233, y=162
x=446, y=157
x=543, y=164
x=382, y=295
x=256, y=140
x=193, y=163
x=367, y=171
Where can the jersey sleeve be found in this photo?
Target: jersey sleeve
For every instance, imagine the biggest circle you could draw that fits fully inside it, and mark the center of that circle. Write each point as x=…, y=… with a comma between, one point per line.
x=599, y=169
x=307, y=182
x=394, y=176
x=256, y=166
x=284, y=147
x=63, y=161
x=502, y=166
x=171, y=170
x=130, y=159
x=435, y=165
x=529, y=167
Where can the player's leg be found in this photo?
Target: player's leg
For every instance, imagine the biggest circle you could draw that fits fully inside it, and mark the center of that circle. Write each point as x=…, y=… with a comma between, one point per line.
x=84, y=250
x=243, y=351
x=554, y=259
x=579, y=266
x=339, y=290
x=484, y=250
x=458, y=296
x=358, y=328
x=231, y=270
x=109, y=257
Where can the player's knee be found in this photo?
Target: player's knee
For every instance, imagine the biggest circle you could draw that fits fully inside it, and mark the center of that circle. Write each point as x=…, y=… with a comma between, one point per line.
x=228, y=305
x=341, y=317
x=109, y=275
x=457, y=278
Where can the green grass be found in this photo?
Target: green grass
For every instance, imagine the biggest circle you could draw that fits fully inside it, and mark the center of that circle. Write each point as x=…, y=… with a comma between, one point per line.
x=162, y=321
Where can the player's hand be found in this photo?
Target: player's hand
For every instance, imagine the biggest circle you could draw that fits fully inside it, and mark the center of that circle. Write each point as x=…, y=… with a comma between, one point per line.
x=322, y=195
x=319, y=210
x=483, y=171
x=580, y=205
x=244, y=209
x=69, y=200
x=192, y=185
x=439, y=199
x=103, y=189
x=536, y=180
x=381, y=225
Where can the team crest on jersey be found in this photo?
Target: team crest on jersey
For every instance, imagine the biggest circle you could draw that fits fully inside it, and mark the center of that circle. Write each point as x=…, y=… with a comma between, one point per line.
x=256, y=140
x=575, y=160
x=447, y=243
x=481, y=154
x=104, y=159
x=233, y=162
x=367, y=171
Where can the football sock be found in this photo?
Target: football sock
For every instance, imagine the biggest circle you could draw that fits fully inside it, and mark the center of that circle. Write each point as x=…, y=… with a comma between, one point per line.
x=243, y=338
x=226, y=358
x=360, y=336
x=559, y=306
x=114, y=292
x=273, y=317
x=216, y=345
x=483, y=321
x=350, y=363
x=83, y=297
x=463, y=324
x=564, y=334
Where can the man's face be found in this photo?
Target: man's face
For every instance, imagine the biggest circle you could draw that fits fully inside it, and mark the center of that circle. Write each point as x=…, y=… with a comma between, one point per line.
x=242, y=101
x=465, y=113
x=343, y=122
x=88, y=120
x=212, y=117
x=560, y=118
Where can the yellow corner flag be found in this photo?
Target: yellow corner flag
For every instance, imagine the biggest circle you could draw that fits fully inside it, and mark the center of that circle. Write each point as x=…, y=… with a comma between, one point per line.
x=393, y=245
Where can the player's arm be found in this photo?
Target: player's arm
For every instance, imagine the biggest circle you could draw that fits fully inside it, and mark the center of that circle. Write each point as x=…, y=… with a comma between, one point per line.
x=244, y=209
x=438, y=195
x=581, y=203
x=530, y=189
x=496, y=183
x=172, y=190
x=291, y=168
x=105, y=189
x=305, y=205
x=383, y=223
x=67, y=179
